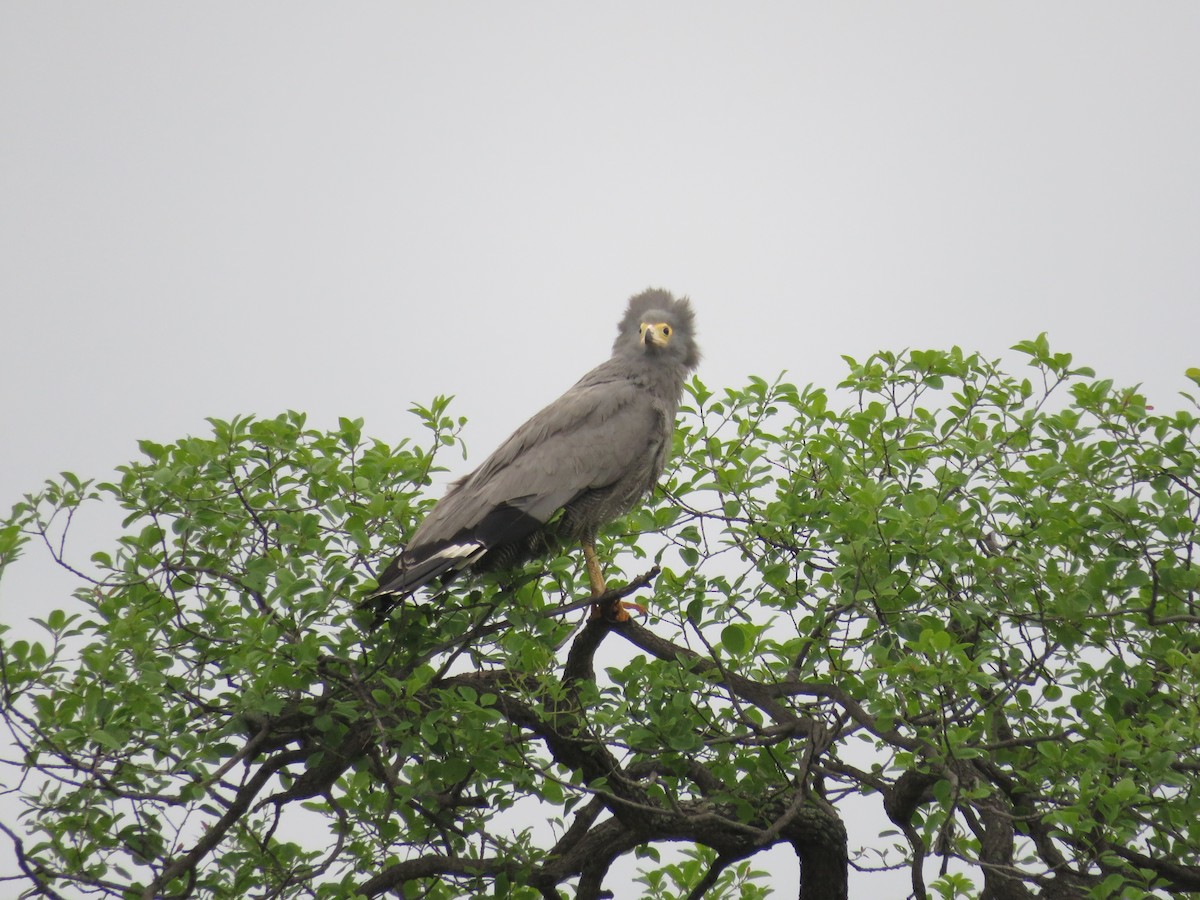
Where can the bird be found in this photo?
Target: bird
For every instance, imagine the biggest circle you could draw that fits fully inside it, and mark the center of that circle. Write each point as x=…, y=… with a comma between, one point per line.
x=576, y=465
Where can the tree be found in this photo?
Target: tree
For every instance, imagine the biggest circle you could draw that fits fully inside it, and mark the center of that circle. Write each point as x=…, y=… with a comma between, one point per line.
x=969, y=595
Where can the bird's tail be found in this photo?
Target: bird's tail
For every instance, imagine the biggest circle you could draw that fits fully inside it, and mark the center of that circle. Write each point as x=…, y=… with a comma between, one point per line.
x=405, y=575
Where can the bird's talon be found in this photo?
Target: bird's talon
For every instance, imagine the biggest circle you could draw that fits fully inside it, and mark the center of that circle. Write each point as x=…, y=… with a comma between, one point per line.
x=626, y=605
x=617, y=612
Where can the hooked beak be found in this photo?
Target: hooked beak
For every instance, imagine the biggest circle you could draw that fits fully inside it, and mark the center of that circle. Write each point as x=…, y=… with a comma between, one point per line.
x=655, y=334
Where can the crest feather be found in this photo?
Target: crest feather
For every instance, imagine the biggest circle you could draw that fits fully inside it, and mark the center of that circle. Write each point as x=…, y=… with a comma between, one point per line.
x=677, y=311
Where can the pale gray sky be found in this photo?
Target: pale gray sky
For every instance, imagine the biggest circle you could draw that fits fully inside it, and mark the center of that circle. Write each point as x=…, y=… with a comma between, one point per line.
x=226, y=208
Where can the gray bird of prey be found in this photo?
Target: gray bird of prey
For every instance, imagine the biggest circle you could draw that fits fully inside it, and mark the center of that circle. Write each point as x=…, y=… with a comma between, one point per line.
x=581, y=462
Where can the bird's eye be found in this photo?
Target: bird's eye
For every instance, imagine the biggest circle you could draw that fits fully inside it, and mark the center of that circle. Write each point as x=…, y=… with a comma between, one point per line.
x=666, y=331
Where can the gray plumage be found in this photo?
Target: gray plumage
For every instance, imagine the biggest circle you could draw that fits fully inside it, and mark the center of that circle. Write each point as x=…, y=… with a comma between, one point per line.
x=591, y=454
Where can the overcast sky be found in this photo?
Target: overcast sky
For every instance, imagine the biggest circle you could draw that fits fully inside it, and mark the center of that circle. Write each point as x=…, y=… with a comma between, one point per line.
x=213, y=209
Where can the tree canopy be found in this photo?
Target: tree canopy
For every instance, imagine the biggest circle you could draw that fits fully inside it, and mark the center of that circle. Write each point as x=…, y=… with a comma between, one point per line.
x=960, y=599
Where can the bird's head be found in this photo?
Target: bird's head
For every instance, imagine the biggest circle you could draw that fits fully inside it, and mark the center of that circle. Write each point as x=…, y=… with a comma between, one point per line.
x=657, y=325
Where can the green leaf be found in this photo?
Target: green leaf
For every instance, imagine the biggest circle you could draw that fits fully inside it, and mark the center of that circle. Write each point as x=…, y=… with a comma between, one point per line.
x=735, y=639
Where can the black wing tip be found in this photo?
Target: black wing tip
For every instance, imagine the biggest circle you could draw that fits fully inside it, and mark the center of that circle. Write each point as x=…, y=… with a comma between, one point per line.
x=403, y=578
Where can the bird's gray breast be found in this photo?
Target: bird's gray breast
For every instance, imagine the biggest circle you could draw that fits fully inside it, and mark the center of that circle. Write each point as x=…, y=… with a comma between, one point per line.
x=599, y=505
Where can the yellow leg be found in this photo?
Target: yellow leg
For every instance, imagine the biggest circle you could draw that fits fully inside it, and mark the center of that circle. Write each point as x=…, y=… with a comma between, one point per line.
x=596, y=577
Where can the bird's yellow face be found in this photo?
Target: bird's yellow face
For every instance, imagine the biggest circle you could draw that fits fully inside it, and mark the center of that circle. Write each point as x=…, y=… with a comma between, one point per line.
x=656, y=334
